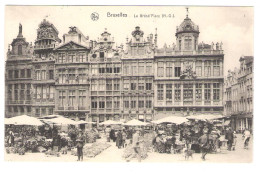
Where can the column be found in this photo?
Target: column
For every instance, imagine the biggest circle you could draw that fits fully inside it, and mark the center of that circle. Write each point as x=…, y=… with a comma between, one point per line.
x=211, y=94
x=194, y=93
x=202, y=68
x=211, y=67
x=203, y=94
x=164, y=70
x=182, y=94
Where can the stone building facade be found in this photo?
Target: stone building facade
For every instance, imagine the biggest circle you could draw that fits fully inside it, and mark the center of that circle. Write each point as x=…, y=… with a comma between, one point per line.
x=239, y=95
x=98, y=80
x=43, y=60
x=18, y=79
x=188, y=76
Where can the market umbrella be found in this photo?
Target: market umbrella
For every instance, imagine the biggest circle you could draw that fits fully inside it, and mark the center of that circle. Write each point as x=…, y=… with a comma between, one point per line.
x=83, y=122
x=110, y=122
x=172, y=119
x=60, y=120
x=50, y=116
x=25, y=120
x=135, y=122
x=7, y=121
x=205, y=117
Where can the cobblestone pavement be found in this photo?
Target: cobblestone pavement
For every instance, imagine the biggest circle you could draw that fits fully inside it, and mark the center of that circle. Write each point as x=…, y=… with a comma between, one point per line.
x=113, y=154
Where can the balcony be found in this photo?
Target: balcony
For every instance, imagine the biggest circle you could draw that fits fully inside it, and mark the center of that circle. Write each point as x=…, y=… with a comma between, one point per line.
x=18, y=102
x=40, y=47
x=199, y=52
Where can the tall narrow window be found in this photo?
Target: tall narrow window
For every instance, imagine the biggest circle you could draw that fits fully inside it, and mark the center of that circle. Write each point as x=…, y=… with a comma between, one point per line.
x=179, y=45
x=72, y=98
x=126, y=102
x=20, y=49
x=51, y=74
x=43, y=74
x=126, y=84
x=216, y=68
x=28, y=73
x=188, y=43
x=141, y=68
x=160, y=92
x=109, y=85
x=82, y=98
x=198, y=92
x=116, y=84
x=198, y=68
x=216, y=91
x=207, y=92
x=141, y=102
x=207, y=68
x=188, y=92
x=168, y=91
x=160, y=69
x=109, y=102
x=62, y=98
x=177, y=69
x=177, y=92
x=149, y=68
x=168, y=69
x=10, y=74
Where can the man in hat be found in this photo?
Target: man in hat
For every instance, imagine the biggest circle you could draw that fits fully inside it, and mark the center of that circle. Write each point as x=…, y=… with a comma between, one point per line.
x=204, y=144
x=229, y=136
x=80, y=143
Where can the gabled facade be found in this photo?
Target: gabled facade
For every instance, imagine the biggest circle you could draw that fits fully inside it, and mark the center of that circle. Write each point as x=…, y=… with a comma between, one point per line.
x=105, y=75
x=43, y=69
x=72, y=80
x=96, y=80
x=138, y=76
x=18, y=77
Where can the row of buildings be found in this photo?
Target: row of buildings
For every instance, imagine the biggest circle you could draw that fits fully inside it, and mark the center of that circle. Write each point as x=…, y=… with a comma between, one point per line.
x=238, y=95
x=96, y=80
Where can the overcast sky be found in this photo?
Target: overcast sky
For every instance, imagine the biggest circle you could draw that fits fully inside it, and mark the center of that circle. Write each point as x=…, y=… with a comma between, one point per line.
x=231, y=25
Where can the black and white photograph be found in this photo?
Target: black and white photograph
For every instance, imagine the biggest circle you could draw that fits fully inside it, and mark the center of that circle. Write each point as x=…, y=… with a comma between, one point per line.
x=129, y=84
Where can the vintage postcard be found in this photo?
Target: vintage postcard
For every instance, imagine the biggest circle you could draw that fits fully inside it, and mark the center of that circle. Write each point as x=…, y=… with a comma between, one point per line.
x=129, y=84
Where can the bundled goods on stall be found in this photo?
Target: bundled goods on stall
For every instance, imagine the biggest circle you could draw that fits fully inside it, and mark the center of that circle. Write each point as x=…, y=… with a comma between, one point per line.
x=148, y=141
x=90, y=137
x=129, y=151
x=47, y=144
x=31, y=145
x=92, y=150
x=50, y=152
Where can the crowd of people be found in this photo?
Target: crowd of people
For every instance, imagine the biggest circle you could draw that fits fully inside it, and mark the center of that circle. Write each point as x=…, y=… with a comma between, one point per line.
x=194, y=136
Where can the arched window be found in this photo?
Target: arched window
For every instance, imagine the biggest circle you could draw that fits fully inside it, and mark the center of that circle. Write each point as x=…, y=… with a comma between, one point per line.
x=187, y=43
x=20, y=50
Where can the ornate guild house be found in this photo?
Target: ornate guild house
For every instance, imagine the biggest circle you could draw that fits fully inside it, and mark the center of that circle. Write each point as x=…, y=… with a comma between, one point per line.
x=95, y=80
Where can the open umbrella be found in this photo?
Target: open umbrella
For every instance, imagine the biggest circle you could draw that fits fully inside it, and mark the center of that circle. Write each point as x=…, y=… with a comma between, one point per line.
x=205, y=117
x=135, y=122
x=110, y=122
x=50, y=116
x=25, y=120
x=60, y=120
x=7, y=121
x=171, y=119
x=83, y=122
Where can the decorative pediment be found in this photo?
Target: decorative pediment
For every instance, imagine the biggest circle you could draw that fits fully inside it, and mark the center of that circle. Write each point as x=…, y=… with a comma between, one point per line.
x=71, y=46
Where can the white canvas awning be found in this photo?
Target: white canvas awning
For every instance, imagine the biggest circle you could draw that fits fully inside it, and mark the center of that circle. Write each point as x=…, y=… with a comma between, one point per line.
x=171, y=119
x=205, y=117
x=24, y=120
x=110, y=122
x=135, y=122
